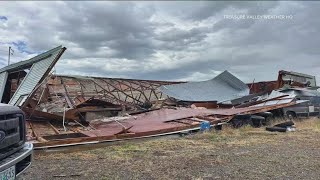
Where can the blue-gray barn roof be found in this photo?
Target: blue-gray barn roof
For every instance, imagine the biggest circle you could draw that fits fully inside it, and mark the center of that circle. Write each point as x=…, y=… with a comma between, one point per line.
x=223, y=87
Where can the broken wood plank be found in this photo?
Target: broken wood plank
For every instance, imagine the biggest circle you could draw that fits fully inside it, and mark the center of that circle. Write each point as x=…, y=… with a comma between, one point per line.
x=35, y=133
x=40, y=114
x=54, y=128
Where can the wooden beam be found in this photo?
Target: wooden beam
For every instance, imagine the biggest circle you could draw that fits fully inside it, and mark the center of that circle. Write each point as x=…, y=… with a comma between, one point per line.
x=38, y=137
x=54, y=128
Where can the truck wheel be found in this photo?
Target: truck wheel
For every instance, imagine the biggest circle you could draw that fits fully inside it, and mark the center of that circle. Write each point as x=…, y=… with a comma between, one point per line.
x=267, y=121
x=256, y=123
x=236, y=123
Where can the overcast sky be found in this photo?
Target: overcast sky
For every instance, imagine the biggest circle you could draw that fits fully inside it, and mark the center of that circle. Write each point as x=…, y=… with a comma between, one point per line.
x=166, y=40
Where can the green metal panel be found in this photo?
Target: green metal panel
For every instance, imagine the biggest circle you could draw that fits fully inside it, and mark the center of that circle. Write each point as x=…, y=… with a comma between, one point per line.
x=3, y=80
x=34, y=76
x=28, y=63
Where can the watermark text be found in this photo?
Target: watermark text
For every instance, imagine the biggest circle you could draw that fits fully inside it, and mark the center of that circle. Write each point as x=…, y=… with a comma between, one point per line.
x=258, y=17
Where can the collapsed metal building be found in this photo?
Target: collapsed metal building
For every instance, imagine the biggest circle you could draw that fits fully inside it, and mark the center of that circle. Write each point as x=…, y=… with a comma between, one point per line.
x=64, y=110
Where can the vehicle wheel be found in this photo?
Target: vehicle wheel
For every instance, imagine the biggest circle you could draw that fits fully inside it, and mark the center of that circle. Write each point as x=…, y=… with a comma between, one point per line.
x=218, y=127
x=236, y=123
x=291, y=115
x=267, y=121
x=256, y=123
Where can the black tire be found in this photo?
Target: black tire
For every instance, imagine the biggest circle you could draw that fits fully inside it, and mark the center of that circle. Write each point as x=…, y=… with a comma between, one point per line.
x=218, y=127
x=267, y=121
x=236, y=123
x=256, y=123
x=276, y=129
x=285, y=124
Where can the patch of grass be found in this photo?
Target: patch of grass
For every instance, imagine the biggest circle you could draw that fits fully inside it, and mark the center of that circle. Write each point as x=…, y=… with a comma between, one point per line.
x=245, y=129
x=308, y=124
x=129, y=147
x=121, y=152
x=227, y=135
x=242, y=136
x=74, y=155
x=217, y=137
x=317, y=126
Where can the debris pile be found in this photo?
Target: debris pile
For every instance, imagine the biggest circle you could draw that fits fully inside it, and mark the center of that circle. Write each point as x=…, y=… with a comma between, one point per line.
x=63, y=110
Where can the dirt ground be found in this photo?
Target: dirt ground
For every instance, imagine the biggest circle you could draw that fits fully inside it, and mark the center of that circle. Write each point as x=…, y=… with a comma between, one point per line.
x=245, y=153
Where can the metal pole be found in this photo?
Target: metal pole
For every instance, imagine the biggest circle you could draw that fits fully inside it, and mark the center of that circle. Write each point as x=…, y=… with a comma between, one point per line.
x=9, y=55
x=64, y=118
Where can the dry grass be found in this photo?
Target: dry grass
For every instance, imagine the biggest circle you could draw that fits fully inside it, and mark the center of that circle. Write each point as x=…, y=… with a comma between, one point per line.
x=308, y=124
x=57, y=156
x=244, y=153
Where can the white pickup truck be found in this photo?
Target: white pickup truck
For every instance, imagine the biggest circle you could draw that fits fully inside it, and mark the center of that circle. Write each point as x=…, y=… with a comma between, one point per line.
x=15, y=152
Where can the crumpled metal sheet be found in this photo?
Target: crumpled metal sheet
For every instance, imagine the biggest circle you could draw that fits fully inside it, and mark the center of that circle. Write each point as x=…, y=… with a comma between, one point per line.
x=274, y=94
x=223, y=87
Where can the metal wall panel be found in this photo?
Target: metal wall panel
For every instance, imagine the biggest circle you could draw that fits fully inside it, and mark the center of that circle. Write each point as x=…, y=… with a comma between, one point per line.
x=3, y=80
x=34, y=76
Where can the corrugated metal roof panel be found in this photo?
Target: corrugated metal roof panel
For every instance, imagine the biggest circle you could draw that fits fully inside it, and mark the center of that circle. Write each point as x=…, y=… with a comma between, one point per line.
x=3, y=80
x=222, y=88
x=35, y=74
x=29, y=62
x=301, y=91
x=274, y=94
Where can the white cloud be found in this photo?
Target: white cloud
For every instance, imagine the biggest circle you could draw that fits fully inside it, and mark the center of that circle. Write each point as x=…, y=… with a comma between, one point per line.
x=165, y=40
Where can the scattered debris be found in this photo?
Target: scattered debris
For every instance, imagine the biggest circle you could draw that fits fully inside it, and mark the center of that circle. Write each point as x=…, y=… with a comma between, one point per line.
x=70, y=110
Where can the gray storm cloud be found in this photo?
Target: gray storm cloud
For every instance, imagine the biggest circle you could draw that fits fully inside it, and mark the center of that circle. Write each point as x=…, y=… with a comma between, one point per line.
x=166, y=40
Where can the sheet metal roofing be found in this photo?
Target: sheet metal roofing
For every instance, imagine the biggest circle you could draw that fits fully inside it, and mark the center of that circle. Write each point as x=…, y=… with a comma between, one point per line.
x=301, y=91
x=28, y=63
x=223, y=87
x=274, y=94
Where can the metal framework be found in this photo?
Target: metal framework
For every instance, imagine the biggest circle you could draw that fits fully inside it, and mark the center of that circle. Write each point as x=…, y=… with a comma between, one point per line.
x=128, y=92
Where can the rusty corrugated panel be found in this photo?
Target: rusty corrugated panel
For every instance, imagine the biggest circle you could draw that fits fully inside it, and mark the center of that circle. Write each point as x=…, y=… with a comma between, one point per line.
x=264, y=86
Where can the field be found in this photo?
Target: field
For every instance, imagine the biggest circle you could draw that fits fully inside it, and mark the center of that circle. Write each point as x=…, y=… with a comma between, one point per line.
x=244, y=153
